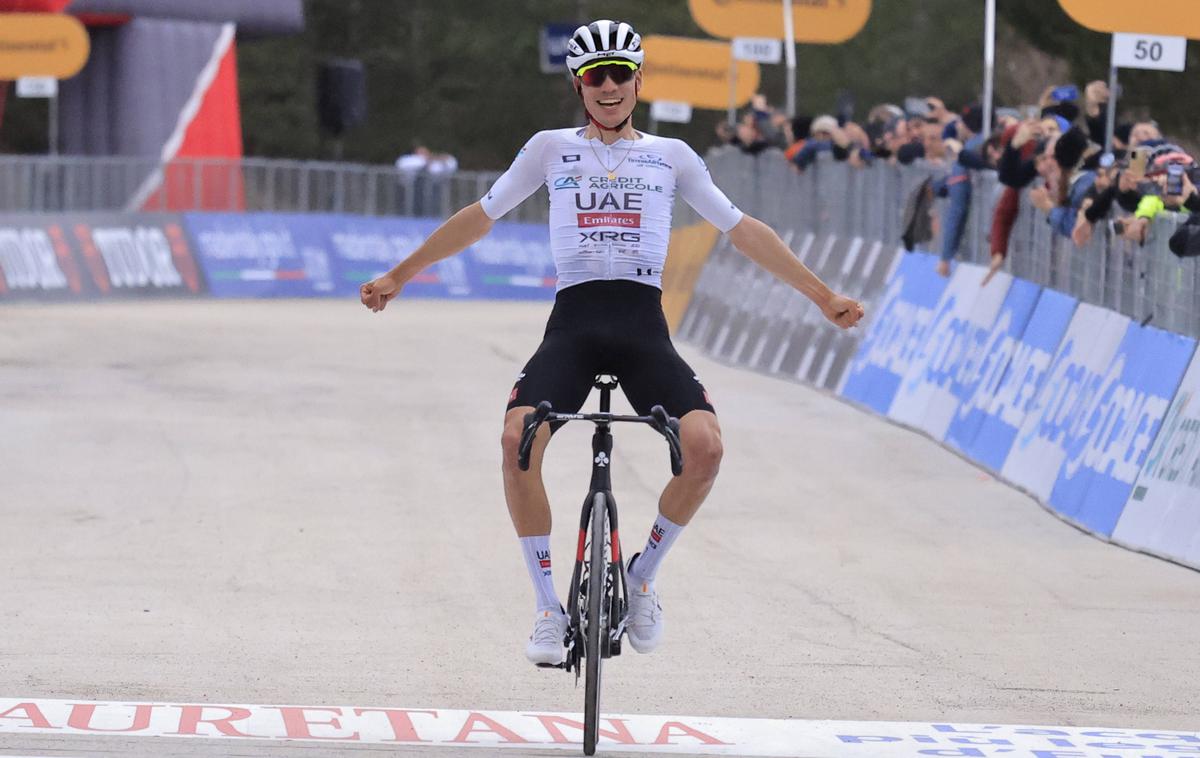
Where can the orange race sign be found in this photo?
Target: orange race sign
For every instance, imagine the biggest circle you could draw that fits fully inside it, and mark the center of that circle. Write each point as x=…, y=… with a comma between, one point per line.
x=820, y=21
x=42, y=44
x=1171, y=18
x=694, y=71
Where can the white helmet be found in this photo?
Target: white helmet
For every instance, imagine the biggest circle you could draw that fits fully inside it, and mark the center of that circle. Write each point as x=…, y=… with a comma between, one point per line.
x=604, y=40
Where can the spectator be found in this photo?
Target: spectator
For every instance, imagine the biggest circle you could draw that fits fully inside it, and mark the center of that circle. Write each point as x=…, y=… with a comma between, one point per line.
x=1022, y=159
x=1070, y=151
x=423, y=173
x=1095, y=110
x=1156, y=194
x=800, y=129
x=956, y=187
x=820, y=140
x=774, y=126
x=724, y=133
x=422, y=159
x=851, y=143
x=748, y=137
x=1145, y=133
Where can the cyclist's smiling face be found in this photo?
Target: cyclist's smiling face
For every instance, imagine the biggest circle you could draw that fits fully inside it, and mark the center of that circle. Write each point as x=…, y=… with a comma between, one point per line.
x=610, y=103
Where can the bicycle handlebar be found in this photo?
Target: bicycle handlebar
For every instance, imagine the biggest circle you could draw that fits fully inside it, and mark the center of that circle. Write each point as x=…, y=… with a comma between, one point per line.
x=658, y=419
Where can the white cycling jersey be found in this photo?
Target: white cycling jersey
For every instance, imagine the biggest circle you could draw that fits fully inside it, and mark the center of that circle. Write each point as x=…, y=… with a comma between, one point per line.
x=610, y=228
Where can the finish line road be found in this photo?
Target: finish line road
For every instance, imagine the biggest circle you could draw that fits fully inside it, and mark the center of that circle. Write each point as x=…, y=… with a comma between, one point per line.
x=212, y=503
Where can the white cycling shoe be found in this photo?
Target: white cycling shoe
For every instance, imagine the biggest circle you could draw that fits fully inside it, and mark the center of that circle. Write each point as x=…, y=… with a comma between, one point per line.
x=644, y=618
x=546, y=643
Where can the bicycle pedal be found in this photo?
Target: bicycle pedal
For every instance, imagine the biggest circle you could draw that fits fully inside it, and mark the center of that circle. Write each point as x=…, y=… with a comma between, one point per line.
x=551, y=665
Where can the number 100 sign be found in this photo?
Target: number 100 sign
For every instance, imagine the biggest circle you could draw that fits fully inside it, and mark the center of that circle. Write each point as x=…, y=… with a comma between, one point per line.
x=1149, y=51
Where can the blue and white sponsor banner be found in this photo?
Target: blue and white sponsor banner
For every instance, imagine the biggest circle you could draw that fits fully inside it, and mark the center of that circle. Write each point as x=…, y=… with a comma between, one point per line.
x=1021, y=380
x=1058, y=413
x=263, y=254
x=1109, y=446
x=1162, y=515
x=957, y=338
x=977, y=386
x=305, y=255
x=900, y=328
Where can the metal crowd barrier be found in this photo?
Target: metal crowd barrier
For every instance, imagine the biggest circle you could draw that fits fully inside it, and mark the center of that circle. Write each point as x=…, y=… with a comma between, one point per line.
x=833, y=200
x=123, y=183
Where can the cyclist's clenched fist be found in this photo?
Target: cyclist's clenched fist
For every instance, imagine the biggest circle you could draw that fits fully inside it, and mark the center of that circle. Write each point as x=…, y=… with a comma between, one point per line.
x=843, y=311
x=376, y=293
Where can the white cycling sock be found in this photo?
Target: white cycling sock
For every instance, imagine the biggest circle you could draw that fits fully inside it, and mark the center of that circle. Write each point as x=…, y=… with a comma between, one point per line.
x=662, y=536
x=537, y=560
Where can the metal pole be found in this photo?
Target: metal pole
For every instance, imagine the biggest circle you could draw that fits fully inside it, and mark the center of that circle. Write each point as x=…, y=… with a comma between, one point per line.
x=1110, y=119
x=732, y=88
x=989, y=64
x=53, y=136
x=789, y=50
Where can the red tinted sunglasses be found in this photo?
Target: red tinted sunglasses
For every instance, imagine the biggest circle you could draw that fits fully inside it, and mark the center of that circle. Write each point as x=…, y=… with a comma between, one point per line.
x=594, y=77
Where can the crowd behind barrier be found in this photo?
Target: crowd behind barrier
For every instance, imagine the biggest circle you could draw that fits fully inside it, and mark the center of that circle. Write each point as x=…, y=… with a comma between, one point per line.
x=1039, y=375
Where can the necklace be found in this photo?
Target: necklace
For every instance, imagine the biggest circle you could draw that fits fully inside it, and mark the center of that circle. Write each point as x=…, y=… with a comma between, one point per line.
x=612, y=172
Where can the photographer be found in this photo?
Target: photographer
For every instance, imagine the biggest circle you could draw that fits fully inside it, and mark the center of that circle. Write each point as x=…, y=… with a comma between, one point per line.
x=1169, y=185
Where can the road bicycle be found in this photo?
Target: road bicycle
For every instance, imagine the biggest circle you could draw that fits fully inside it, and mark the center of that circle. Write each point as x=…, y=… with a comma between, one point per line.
x=598, y=596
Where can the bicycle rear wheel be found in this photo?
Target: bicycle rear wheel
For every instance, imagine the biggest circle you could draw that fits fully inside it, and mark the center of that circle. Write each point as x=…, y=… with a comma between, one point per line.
x=596, y=622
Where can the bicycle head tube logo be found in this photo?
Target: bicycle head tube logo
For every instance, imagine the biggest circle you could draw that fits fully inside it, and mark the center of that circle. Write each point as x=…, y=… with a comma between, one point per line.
x=602, y=460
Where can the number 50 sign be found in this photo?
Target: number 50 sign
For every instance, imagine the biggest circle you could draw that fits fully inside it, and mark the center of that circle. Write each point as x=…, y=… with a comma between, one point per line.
x=1149, y=51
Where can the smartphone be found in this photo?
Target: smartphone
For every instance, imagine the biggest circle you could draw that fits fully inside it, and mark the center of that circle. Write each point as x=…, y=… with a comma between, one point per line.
x=916, y=107
x=1137, y=162
x=1174, y=179
x=1066, y=92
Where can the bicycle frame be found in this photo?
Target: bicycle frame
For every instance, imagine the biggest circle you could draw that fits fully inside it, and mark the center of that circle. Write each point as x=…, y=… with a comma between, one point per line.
x=612, y=587
x=601, y=483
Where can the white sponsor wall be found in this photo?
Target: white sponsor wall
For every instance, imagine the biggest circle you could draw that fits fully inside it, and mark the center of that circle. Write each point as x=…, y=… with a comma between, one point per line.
x=1067, y=395
x=962, y=320
x=1162, y=515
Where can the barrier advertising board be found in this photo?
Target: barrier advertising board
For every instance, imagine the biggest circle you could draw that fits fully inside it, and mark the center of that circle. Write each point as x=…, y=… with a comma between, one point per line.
x=1107, y=440
x=1162, y=514
x=1005, y=363
x=57, y=256
x=304, y=255
x=1067, y=394
x=961, y=322
x=899, y=329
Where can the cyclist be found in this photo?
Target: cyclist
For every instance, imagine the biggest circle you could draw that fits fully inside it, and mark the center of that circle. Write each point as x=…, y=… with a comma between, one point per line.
x=611, y=190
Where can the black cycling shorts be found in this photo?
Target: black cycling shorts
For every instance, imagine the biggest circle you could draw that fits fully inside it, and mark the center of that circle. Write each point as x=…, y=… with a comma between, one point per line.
x=609, y=327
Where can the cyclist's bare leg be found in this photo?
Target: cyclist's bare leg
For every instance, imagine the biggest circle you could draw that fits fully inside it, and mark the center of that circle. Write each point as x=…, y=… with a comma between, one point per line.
x=524, y=491
x=700, y=440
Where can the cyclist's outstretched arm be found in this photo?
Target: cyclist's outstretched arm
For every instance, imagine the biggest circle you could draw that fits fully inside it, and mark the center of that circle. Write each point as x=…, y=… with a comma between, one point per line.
x=761, y=244
x=460, y=231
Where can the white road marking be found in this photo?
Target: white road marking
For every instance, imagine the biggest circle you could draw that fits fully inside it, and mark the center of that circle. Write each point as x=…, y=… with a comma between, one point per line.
x=563, y=731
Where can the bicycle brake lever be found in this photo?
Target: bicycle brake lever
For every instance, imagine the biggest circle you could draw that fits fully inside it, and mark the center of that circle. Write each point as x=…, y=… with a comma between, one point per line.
x=532, y=422
x=668, y=426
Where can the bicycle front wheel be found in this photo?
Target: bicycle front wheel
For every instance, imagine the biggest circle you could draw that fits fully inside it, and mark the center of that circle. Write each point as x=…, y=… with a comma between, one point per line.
x=596, y=622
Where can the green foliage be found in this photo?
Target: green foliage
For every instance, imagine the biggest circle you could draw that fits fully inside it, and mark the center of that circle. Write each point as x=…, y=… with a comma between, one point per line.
x=463, y=76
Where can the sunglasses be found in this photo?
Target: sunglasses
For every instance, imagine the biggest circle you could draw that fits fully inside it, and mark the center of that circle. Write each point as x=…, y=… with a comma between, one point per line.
x=595, y=75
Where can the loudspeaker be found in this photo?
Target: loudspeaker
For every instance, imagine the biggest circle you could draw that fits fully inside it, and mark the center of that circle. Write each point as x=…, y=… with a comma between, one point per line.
x=341, y=95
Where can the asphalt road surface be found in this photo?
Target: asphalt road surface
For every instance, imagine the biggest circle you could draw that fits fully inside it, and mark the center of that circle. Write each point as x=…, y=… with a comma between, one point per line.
x=298, y=502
